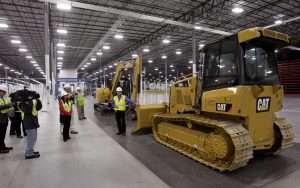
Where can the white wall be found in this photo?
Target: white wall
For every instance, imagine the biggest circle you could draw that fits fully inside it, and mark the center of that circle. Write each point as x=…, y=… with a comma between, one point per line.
x=68, y=73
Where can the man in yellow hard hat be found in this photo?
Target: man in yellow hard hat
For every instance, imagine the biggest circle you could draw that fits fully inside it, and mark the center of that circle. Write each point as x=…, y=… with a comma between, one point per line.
x=119, y=104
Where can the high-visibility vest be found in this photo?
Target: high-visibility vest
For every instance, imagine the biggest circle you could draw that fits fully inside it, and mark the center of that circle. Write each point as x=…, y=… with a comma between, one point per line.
x=67, y=106
x=34, y=111
x=120, y=103
x=2, y=102
x=80, y=99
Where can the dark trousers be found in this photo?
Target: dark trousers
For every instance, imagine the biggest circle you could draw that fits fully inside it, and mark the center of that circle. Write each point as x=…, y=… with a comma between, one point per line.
x=3, y=128
x=120, y=118
x=15, y=126
x=66, y=120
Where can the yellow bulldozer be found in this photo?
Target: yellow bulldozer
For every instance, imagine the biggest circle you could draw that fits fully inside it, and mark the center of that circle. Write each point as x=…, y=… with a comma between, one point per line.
x=105, y=96
x=225, y=112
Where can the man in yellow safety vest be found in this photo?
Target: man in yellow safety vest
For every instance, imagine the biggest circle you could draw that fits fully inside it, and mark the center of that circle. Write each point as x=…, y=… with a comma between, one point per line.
x=4, y=119
x=80, y=104
x=119, y=104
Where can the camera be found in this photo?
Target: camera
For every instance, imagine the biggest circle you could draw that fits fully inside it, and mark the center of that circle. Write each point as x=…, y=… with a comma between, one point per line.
x=23, y=95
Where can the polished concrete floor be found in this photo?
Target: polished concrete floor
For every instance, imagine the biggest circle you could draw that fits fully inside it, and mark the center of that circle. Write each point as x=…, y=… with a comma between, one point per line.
x=91, y=159
x=97, y=157
x=179, y=171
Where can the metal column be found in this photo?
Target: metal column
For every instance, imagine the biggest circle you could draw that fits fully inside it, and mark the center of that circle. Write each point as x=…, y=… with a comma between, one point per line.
x=99, y=79
x=47, y=50
x=194, y=45
x=166, y=76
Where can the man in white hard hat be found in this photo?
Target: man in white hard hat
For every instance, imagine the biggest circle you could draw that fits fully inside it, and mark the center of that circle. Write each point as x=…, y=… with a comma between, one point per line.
x=4, y=119
x=67, y=88
x=80, y=104
x=119, y=104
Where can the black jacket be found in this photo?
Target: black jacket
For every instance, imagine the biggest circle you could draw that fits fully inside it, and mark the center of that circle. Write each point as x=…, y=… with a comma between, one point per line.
x=3, y=116
x=30, y=121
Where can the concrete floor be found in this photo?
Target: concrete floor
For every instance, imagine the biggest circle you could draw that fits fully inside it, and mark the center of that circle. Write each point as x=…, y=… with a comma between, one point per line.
x=96, y=157
x=90, y=159
x=179, y=171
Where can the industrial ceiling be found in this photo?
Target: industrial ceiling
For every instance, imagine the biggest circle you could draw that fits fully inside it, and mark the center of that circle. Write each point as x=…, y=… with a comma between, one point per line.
x=128, y=27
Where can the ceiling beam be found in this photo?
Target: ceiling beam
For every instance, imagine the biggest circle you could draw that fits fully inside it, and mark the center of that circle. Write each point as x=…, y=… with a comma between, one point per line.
x=135, y=15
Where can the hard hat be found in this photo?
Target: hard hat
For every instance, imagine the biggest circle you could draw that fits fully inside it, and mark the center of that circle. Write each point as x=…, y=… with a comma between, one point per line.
x=63, y=93
x=78, y=88
x=3, y=87
x=119, y=89
x=67, y=86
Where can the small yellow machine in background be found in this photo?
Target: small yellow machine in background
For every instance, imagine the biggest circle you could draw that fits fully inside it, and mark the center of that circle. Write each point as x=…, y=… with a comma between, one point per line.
x=104, y=96
x=226, y=111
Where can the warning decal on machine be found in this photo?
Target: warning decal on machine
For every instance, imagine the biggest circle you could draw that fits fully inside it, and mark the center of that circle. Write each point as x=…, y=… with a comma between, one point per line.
x=263, y=104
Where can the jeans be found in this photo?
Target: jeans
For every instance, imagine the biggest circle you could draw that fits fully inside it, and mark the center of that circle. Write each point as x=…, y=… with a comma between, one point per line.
x=31, y=140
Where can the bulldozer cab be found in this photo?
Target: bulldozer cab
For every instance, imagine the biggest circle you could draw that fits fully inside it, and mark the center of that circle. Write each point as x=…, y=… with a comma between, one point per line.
x=246, y=58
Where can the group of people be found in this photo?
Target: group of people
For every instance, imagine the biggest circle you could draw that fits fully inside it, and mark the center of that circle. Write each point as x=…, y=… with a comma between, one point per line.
x=25, y=112
x=67, y=99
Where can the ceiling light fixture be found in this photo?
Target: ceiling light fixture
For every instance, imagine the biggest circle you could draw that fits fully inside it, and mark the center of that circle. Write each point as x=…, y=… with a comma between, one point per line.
x=190, y=62
x=64, y=5
x=166, y=41
x=15, y=41
x=197, y=27
x=150, y=61
x=119, y=36
x=178, y=52
x=60, y=58
x=146, y=50
x=201, y=45
x=29, y=57
x=278, y=22
x=99, y=53
x=134, y=55
x=61, y=44
x=3, y=25
x=106, y=47
x=93, y=59
x=164, y=57
x=62, y=31
x=237, y=10
x=33, y=62
x=60, y=52
x=23, y=50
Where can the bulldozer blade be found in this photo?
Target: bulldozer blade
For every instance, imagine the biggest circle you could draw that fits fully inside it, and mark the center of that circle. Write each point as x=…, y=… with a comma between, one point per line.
x=144, y=117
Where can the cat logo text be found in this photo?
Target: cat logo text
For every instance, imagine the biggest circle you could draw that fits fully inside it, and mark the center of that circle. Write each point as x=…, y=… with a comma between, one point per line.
x=223, y=107
x=263, y=104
